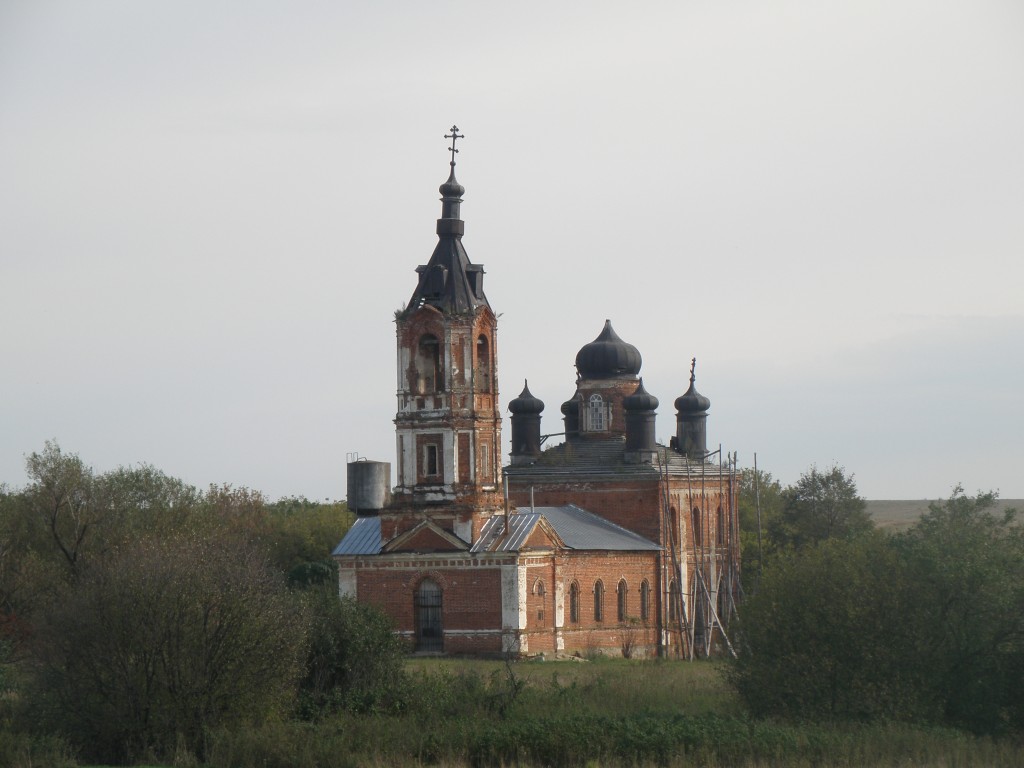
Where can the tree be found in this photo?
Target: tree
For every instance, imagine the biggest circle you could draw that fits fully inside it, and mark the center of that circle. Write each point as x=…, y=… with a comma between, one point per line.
x=63, y=496
x=817, y=639
x=820, y=506
x=164, y=640
x=926, y=626
x=355, y=661
x=965, y=602
x=758, y=489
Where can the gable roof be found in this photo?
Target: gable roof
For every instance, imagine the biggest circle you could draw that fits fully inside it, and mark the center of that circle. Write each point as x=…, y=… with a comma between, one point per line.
x=426, y=536
x=575, y=527
x=363, y=538
x=567, y=526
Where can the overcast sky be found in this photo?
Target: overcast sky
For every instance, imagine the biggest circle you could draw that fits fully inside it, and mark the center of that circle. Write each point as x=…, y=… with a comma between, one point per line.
x=209, y=212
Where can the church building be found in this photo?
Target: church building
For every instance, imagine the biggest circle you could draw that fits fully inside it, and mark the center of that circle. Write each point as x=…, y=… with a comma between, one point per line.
x=605, y=543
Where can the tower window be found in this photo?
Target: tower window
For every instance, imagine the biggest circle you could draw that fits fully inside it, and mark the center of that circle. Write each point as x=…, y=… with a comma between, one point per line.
x=483, y=365
x=430, y=462
x=428, y=364
x=485, y=462
x=720, y=527
x=596, y=414
x=698, y=537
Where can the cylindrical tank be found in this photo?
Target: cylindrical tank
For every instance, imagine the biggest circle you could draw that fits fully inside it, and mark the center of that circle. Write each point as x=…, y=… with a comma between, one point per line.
x=369, y=486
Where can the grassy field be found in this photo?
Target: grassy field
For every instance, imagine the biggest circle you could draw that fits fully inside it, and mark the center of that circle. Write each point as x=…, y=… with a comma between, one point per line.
x=590, y=714
x=605, y=713
x=899, y=514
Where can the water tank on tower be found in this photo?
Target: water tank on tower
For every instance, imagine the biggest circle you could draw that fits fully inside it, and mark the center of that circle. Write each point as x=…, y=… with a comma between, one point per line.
x=369, y=486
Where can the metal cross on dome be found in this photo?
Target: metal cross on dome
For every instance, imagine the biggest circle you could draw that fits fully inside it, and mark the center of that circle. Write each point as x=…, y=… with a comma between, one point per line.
x=693, y=367
x=453, y=136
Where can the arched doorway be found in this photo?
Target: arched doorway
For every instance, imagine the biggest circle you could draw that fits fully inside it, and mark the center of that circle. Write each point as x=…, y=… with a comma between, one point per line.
x=429, y=632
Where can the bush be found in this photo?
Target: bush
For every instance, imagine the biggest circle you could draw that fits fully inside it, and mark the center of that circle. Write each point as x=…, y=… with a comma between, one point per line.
x=163, y=641
x=355, y=662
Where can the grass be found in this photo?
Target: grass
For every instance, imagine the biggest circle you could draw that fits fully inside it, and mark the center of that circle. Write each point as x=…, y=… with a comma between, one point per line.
x=610, y=712
x=899, y=514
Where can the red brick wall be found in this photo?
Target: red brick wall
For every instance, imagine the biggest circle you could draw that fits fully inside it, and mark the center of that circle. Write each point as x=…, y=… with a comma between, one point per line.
x=633, y=504
x=471, y=598
x=608, y=635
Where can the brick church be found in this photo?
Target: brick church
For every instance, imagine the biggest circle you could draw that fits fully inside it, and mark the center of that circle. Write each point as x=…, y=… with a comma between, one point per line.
x=605, y=543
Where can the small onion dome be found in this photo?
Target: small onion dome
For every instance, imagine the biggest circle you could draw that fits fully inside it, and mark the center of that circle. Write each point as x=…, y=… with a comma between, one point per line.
x=640, y=400
x=571, y=407
x=608, y=356
x=526, y=404
x=692, y=401
x=452, y=188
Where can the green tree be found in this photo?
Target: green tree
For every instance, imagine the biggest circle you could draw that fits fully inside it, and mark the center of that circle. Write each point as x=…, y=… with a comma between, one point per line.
x=304, y=532
x=965, y=603
x=817, y=639
x=355, y=661
x=821, y=505
x=758, y=490
x=64, y=498
x=927, y=625
x=163, y=640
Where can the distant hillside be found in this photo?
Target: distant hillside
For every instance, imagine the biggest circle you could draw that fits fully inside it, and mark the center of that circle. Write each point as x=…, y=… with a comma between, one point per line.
x=902, y=513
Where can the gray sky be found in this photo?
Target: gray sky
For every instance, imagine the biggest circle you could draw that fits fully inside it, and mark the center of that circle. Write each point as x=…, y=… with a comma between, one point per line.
x=209, y=212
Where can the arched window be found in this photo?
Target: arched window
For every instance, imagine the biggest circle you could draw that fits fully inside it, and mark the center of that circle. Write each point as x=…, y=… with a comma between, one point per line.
x=483, y=364
x=720, y=527
x=673, y=534
x=428, y=364
x=598, y=601
x=645, y=600
x=538, y=590
x=673, y=601
x=621, y=599
x=698, y=537
x=429, y=631
x=596, y=421
x=574, y=603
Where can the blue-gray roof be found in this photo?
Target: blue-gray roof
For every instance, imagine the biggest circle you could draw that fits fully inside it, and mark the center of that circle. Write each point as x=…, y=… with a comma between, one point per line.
x=363, y=538
x=576, y=527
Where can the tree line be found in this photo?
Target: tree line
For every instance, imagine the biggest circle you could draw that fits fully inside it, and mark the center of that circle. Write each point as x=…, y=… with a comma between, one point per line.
x=843, y=621
x=139, y=615
x=137, y=612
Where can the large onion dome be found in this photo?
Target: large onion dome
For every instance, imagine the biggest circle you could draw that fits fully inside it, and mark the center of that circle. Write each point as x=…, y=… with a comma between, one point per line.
x=608, y=356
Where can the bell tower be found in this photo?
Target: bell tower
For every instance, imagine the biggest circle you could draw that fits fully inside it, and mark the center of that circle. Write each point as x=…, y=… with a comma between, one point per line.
x=448, y=424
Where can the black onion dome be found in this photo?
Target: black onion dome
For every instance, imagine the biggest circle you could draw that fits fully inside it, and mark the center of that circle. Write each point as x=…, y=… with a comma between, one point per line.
x=692, y=401
x=608, y=356
x=640, y=400
x=526, y=403
x=452, y=188
x=571, y=406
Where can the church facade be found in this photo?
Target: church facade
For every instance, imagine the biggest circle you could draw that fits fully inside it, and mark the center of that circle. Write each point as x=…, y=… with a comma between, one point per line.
x=605, y=543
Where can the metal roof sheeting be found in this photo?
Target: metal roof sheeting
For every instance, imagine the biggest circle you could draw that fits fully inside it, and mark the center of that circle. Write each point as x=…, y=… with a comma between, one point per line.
x=363, y=538
x=576, y=527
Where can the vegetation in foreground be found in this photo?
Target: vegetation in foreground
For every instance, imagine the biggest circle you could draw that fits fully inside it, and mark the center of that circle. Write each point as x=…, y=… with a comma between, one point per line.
x=144, y=621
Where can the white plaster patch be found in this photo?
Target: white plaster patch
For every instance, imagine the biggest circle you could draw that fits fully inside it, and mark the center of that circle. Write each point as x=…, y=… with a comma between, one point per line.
x=347, y=582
